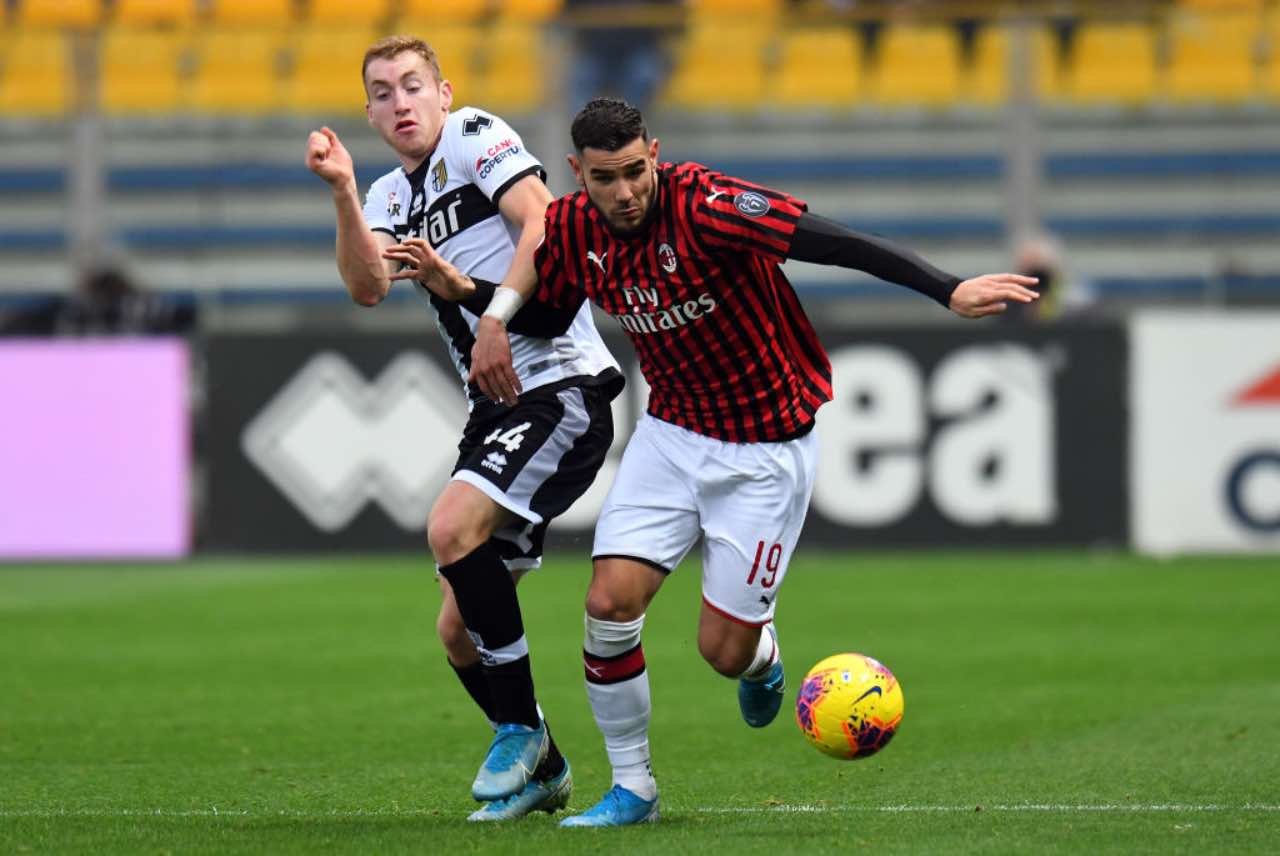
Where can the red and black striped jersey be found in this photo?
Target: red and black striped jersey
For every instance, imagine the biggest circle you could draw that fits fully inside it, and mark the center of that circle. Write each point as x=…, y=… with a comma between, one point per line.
x=722, y=338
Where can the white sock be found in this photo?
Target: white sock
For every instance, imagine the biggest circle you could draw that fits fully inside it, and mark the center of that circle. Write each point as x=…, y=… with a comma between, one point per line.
x=618, y=687
x=766, y=655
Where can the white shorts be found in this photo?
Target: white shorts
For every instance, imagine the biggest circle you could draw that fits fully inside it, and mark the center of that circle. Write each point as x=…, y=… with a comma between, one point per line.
x=747, y=500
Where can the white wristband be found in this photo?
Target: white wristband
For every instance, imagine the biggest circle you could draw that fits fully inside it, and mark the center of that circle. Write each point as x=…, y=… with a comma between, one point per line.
x=504, y=304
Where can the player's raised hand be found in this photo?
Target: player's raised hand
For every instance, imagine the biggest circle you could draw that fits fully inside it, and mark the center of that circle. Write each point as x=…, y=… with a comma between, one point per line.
x=491, y=366
x=328, y=158
x=990, y=294
x=427, y=267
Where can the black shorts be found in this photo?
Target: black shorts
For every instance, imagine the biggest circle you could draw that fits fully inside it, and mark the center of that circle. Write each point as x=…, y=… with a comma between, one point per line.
x=537, y=458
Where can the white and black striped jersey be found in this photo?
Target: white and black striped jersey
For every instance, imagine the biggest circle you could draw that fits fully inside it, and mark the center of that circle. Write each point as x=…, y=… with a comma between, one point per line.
x=451, y=200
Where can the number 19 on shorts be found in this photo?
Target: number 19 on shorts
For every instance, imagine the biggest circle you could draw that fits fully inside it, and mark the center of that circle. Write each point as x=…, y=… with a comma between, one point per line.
x=770, y=555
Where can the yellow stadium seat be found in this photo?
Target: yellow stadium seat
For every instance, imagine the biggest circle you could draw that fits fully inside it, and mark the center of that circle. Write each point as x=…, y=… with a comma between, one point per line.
x=1112, y=63
x=1271, y=71
x=1223, y=5
x=172, y=12
x=529, y=10
x=35, y=75
x=452, y=11
x=719, y=66
x=1211, y=56
x=456, y=50
x=252, y=12
x=742, y=10
x=59, y=13
x=917, y=65
x=139, y=70
x=511, y=79
x=236, y=71
x=820, y=68
x=986, y=81
x=368, y=12
x=326, y=70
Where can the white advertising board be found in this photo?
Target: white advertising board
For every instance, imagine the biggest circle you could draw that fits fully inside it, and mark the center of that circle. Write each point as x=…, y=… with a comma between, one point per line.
x=1205, y=456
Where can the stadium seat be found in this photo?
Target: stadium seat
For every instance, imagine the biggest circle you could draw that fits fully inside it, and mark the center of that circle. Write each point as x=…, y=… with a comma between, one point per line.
x=326, y=70
x=1271, y=71
x=709, y=75
x=739, y=10
x=537, y=11
x=1112, y=63
x=35, y=73
x=59, y=13
x=170, y=12
x=236, y=71
x=456, y=50
x=820, y=68
x=139, y=70
x=917, y=65
x=450, y=11
x=511, y=78
x=986, y=80
x=1211, y=56
x=368, y=12
x=252, y=12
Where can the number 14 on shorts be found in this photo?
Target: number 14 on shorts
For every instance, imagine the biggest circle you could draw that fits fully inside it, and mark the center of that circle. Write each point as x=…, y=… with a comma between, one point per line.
x=772, y=561
x=510, y=439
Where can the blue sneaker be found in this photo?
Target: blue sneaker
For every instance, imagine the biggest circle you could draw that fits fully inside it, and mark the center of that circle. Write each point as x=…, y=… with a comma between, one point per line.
x=761, y=699
x=516, y=751
x=549, y=796
x=619, y=807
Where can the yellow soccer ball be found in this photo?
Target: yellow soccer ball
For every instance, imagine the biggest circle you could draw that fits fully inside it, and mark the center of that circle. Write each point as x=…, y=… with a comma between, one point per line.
x=849, y=706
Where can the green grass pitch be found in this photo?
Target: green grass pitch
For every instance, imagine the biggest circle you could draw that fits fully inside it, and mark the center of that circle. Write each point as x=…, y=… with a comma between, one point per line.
x=1055, y=702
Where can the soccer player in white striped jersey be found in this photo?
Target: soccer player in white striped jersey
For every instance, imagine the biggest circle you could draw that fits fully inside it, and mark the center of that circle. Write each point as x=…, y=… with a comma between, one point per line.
x=468, y=189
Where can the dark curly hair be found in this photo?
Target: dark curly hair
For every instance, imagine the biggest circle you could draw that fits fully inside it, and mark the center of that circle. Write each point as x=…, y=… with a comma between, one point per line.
x=608, y=124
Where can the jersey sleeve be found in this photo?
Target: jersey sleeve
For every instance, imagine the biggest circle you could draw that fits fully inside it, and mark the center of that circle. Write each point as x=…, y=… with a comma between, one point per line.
x=555, y=287
x=727, y=213
x=493, y=154
x=379, y=205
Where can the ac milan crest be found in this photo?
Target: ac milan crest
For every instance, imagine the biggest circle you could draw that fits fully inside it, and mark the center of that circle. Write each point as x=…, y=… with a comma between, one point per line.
x=667, y=258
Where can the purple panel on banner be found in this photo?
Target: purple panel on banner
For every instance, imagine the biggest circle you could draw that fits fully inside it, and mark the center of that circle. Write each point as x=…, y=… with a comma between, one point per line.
x=95, y=450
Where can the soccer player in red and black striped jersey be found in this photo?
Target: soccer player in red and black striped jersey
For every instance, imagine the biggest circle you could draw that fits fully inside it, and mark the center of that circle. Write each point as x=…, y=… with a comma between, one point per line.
x=686, y=260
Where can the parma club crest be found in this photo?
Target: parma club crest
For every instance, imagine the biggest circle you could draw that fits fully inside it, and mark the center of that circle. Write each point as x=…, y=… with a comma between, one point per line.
x=439, y=176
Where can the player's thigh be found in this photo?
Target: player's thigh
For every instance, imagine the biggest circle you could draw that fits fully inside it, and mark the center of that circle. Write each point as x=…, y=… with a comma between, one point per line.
x=753, y=506
x=650, y=514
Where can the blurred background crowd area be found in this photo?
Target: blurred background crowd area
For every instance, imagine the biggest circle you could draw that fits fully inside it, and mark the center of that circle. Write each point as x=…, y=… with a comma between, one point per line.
x=1128, y=152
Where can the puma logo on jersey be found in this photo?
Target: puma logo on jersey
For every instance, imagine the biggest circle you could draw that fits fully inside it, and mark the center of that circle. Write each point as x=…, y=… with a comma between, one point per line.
x=599, y=260
x=712, y=197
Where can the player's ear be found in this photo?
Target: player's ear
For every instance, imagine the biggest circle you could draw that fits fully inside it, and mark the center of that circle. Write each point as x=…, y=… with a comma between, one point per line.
x=446, y=95
x=368, y=112
x=653, y=150
x=576, y=166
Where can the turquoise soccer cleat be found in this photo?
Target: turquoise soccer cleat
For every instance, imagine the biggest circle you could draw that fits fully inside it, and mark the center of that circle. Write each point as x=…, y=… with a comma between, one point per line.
x=619, y=807
x=549, y=796
x=760, y=700
x=516, y=751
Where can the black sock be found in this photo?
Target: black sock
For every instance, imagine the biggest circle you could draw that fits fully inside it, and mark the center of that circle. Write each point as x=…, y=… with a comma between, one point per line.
x=473, y=679
x=477, y=686
x=486, y=598
x=553, y=764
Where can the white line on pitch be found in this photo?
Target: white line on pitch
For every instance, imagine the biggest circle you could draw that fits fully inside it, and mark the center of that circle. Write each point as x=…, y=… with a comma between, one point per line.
x=1063, y=808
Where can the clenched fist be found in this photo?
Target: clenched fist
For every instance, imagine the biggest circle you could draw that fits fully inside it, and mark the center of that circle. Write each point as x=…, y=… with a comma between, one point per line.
x=329, y=159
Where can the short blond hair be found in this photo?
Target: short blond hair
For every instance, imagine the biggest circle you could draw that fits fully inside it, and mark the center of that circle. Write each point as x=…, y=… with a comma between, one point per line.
x=391, y=47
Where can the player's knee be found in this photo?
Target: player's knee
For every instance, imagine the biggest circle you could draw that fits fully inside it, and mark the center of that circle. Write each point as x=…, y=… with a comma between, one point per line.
x=607, y=605
x=452, y=537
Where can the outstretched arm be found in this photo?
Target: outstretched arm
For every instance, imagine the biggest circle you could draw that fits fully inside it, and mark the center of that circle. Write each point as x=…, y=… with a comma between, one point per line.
x=359, y=249
x=824, y=241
